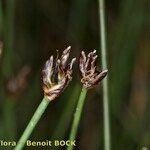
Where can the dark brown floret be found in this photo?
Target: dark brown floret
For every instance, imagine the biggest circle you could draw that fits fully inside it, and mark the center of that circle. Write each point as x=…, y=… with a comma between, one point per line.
x=56, y=75
x=90, y=75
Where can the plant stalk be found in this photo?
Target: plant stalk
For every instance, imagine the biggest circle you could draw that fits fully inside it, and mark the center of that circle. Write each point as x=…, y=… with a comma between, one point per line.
x=105, y=81
x=1, y=15
x=34, y=120
x=77, y=117
x=7, y=24
x=9, y=118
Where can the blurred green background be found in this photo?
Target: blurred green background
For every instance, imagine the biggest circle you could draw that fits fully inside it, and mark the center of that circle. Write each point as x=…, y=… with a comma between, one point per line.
x=31, y=31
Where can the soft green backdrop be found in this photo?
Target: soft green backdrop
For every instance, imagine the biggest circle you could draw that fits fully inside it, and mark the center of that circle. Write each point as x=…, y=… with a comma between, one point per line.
x=31, y=31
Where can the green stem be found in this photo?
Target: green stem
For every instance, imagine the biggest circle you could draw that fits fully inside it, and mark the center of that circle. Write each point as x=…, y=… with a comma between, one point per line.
x=7, y=23
x=9, y=118
x=105, y=81
x=8, y=38
x=66, y=115
x=34, y=120
x=1, y=15
x=77, y=117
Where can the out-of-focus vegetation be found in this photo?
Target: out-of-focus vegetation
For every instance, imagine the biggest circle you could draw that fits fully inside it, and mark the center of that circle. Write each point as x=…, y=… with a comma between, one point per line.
x=31, y=31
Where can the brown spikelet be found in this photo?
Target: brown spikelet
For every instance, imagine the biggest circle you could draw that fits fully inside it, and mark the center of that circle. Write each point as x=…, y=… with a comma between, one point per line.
x=90, y=75
x=57, y=74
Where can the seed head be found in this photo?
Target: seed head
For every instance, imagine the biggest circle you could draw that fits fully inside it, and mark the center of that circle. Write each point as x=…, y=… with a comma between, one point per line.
x=57, y=74
x=90, y=76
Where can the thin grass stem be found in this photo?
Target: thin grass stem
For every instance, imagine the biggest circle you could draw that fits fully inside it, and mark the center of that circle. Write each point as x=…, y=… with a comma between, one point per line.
x=9, y=118
x=66, y=115
x=105, y=82
x=8, y=38
x=7, y=23
x=1, y=15
x=34, y=120
x=77, y=117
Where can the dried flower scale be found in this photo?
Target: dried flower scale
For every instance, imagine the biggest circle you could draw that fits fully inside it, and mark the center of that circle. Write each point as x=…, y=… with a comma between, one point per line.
x=57, y=74
x=90, y=75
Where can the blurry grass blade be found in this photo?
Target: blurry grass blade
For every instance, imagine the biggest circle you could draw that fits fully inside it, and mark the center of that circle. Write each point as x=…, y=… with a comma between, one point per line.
x=9, y=118
x=7, y=69
x=125, y=41
x=8, y=38
x=77, y=20
x=1, y=15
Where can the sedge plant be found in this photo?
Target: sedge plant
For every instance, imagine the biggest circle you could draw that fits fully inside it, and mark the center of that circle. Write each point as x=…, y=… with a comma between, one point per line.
x=90, y=77
x=56, y=75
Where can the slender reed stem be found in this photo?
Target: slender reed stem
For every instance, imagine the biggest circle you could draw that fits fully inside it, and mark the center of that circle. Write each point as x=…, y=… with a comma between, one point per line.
x=105, y=82
x=77, y=117
x=66, y=115
x=9, y=118
x=7, y=23
x=34, y=120
x=1, y=15
x=8, y=38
